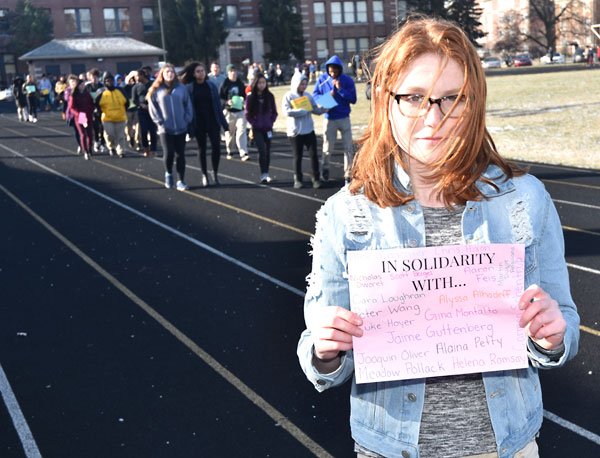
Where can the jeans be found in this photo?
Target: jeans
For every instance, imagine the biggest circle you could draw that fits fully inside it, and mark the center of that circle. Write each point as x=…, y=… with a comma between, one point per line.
x=330, y=129
x=174, y=145
x=298, y=143
x=32, y=105
x=214, y=135
x=263, y=144
x=147, y=126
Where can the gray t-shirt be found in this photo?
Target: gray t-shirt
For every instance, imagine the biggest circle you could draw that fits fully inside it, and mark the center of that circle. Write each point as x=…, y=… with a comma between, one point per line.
x=455, y=421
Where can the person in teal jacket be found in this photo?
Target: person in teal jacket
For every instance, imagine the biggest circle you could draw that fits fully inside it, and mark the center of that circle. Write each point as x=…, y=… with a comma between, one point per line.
x=429, y=175
x=343, y=90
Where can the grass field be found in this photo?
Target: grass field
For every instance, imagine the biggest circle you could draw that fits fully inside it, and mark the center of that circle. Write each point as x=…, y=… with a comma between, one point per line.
x=546, y=117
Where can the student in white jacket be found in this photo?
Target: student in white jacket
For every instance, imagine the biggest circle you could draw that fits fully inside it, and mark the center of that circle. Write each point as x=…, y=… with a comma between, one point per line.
x=301, y=130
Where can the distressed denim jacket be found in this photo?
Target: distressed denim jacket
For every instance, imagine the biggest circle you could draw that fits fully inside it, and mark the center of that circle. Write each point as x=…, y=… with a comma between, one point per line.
x=385, y=416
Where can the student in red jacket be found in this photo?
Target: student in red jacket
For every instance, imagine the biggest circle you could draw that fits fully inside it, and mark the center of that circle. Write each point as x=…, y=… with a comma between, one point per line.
x=81, y=106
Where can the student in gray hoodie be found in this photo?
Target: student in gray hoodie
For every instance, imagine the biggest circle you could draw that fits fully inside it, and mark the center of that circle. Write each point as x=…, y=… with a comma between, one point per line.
x=301, y=130
x=171, y=110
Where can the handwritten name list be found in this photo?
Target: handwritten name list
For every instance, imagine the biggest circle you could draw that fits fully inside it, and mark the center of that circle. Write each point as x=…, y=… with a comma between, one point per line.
x=437, y=311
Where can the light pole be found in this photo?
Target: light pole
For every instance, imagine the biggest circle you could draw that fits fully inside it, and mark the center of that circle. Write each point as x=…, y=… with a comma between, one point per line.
x=162, y=30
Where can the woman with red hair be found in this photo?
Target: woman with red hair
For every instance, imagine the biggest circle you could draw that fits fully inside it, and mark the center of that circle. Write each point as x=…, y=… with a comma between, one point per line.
x=429, y=174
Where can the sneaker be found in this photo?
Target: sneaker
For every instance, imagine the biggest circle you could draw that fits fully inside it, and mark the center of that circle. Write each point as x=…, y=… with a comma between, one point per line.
x=121, y=155
x=245, y=157
x=86, y=156
x=146, y=153
x=34, y=120
x=168, y=180
x=181, y=186
x=204, y=180
x=112, y=152
x=229, y=156
x=78, y=150
x=216, y=179
x=325, y=174
x=104, y=149
x=96, y=147
x=317, y=183
x=297, y=184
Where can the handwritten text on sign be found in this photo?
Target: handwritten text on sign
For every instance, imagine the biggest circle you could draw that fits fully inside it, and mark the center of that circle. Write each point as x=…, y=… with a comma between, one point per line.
x=437, y=311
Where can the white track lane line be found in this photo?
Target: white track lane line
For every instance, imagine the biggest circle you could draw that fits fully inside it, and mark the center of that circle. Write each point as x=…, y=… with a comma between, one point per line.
x=174, y=231
x=572, y=427
x=201, y=244
x=27, y=440
x=229, y=177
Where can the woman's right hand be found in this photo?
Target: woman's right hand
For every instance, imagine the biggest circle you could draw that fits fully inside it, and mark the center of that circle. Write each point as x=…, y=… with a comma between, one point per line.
x=332, y=331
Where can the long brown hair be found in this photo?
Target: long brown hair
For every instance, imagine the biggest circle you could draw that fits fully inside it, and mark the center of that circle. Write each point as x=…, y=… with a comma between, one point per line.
x=470, y=148
x=160, y=81
x=252, y=100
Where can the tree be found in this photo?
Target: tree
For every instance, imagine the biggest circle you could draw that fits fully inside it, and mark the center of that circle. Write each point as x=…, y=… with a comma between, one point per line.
x=512, y=39
x=193, y=30
x=282, y=27
x=544, y=17
x=465, y=13
x=28, y=27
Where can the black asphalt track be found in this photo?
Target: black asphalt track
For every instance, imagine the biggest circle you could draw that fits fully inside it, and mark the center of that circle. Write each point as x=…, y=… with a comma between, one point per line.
x=96, y=376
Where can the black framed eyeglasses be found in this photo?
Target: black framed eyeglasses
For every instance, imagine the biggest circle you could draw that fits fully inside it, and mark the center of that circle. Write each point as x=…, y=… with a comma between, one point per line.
x=417, y=105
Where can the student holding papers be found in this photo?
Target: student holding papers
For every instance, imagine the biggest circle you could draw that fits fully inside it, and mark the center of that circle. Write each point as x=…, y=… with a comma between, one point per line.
x=428, y=175
x=298, y=106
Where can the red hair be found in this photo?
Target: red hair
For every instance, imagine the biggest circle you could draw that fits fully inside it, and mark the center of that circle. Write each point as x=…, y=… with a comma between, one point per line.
x=470, y=148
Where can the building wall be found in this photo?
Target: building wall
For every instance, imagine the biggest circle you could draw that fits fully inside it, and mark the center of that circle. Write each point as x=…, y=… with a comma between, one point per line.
x=56, y=8
x=96, y=7
x=248, y=28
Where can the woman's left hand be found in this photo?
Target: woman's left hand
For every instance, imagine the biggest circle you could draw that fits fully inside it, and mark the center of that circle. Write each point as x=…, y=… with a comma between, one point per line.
x=542, y=318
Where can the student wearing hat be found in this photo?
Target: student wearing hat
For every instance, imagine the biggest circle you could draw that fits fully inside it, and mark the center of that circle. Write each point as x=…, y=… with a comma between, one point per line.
x=232, y=95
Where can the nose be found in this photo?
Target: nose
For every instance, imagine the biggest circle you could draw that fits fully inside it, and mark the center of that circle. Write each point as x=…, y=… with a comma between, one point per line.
x=434, y=115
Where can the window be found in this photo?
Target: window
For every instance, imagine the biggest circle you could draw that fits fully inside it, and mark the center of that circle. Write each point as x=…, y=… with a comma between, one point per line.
x=361, y=12
x=378, y=11
x=319, y=12
x=322, y=50
x=149, y=20
x=346, y=48
x=231, y=16
x=336, y=12
x=116, y=20
x=338, y=47
x=3, y=21
x=78, y=20
x=348, y=12
x=363, y=44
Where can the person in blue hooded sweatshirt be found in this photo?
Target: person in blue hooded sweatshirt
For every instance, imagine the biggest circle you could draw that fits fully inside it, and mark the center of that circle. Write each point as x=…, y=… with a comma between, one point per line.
x=343, y=90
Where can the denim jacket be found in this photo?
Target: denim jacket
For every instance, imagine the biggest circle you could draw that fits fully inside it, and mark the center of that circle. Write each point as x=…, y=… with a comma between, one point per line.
x=385, y=416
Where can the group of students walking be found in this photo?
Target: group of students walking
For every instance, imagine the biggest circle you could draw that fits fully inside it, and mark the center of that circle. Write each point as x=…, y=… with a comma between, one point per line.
x=107, y=113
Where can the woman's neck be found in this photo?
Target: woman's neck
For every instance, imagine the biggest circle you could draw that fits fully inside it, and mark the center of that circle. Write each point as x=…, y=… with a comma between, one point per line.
x=423, y=188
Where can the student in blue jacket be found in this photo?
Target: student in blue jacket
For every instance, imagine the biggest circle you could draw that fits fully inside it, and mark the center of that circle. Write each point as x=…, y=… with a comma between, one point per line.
x=429, y=174
x=343, y=90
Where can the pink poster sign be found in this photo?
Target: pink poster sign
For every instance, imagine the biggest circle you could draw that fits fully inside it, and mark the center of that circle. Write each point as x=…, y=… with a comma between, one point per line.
x=437, y=311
